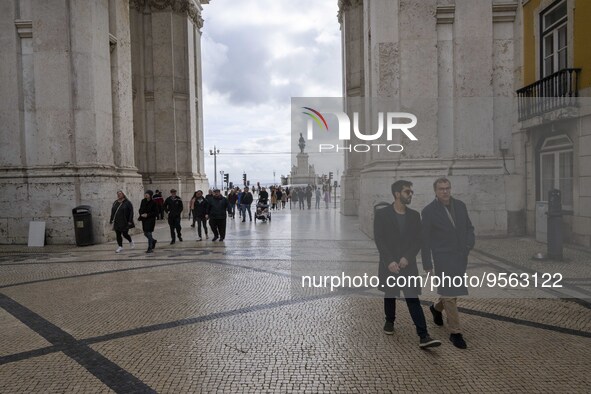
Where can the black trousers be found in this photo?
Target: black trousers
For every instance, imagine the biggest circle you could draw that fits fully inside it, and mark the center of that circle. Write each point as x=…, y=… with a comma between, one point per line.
x=175, y=224
x=415, y=310
x=201, y=222
x=125, y=234
x=218, y=226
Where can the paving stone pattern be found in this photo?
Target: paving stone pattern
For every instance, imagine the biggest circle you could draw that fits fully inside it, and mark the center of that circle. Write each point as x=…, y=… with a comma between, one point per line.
x=224, y=317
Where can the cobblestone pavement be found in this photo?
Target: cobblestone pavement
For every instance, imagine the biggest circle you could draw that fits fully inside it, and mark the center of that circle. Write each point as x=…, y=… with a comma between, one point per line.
x=229, y=317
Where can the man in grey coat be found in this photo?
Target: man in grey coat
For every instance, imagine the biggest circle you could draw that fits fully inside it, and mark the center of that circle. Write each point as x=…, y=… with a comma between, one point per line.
x=448, y=237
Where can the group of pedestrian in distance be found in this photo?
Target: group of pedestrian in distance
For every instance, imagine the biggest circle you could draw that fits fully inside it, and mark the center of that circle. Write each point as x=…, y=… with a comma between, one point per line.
x=152, y=207
x=212, y=209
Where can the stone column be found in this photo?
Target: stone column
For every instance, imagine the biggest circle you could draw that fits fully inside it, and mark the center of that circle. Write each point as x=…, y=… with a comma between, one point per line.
x=352, y=33
x=402, y=74
x=166, y=45
x=66, y=132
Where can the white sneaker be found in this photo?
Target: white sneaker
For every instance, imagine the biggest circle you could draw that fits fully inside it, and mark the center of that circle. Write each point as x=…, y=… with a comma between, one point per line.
x=132, y=244
x=119, y=249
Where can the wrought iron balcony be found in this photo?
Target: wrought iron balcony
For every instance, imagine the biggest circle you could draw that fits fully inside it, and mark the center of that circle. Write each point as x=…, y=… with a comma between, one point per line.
x=558, y=90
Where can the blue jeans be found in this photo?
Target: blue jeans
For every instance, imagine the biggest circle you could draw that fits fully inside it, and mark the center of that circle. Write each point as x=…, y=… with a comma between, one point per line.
x=416, y=313
x=244, y=208
x=150, y=239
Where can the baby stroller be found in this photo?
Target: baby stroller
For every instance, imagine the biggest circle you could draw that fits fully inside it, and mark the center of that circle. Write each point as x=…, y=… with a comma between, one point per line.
x=262, y=211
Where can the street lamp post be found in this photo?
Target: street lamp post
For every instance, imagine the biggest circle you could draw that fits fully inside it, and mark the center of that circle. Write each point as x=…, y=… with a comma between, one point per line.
x=273, y=177
x=222, y=181
x=215, y=153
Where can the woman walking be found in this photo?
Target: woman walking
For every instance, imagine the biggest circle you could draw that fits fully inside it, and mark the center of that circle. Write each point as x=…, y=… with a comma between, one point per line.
x=148, y=213
x=192, y=208
x=273, y=198
x=122, y=220
x=232, y=199
x=200, y=208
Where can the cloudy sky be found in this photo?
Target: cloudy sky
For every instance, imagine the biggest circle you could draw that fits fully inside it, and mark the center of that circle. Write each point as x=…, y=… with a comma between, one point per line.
x=257, y=55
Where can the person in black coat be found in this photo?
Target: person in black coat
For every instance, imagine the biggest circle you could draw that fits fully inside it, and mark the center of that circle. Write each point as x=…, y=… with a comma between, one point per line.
x=397, y=234
x=216, y=212
x=149, y=211
x=448, y=237
x=122, y=220
x=200, y=206
x=246, y=201
x=174, y=206
x=264, y=196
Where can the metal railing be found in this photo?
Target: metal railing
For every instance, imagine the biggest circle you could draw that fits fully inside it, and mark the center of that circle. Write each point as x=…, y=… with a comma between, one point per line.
x=555, y=91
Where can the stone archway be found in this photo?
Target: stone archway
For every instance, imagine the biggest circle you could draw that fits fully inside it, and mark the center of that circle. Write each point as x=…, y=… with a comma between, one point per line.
x=68, y=110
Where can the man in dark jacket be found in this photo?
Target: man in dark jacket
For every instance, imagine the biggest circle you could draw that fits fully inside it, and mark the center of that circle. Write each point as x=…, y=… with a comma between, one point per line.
x=216, y=212
x=174, y=206
x=264, y=196
x=448, y=237
x=149, y=211
x=397, y=234
x=232, y=200
x=246, y=201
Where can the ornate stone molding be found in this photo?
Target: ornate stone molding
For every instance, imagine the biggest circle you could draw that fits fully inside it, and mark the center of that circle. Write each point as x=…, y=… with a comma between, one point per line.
x=445, y=14
x=187, y=7
x=504, y=12
x=345, y=5
x=24, y=28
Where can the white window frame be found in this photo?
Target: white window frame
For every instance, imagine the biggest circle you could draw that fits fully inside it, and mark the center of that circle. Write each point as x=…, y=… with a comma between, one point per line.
x=555, y=151
x=553, y=30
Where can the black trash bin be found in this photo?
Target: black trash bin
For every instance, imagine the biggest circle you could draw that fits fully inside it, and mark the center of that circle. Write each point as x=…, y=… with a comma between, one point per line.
x=83, y=225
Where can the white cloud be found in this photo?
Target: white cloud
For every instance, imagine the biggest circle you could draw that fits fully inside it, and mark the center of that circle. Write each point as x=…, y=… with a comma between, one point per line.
x=257, y=54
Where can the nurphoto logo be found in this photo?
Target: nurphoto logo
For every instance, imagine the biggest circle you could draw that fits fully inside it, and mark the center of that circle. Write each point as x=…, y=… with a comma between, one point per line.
x=391, y=119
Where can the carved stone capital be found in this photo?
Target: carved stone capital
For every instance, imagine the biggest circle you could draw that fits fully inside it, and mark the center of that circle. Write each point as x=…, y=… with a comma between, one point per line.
x=187, y=7
x=345, y=5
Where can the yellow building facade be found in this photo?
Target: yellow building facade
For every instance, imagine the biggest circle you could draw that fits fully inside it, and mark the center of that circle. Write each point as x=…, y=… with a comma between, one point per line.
x=554, y=114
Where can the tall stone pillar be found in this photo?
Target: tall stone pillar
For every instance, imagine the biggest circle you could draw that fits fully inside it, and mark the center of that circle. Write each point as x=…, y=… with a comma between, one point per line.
x=168, y=127
x=65, y=108
x=352, y=41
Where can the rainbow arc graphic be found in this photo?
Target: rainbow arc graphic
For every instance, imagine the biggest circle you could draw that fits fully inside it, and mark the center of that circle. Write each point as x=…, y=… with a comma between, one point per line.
x=317, y=117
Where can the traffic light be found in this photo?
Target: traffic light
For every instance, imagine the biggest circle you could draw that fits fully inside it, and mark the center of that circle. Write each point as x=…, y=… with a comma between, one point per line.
x=244, y=178
x=231, y=185
x=330, y=175
x=226, y=178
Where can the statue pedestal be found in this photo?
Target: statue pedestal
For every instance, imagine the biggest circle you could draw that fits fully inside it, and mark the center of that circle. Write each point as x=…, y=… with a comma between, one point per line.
x=303, y=172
